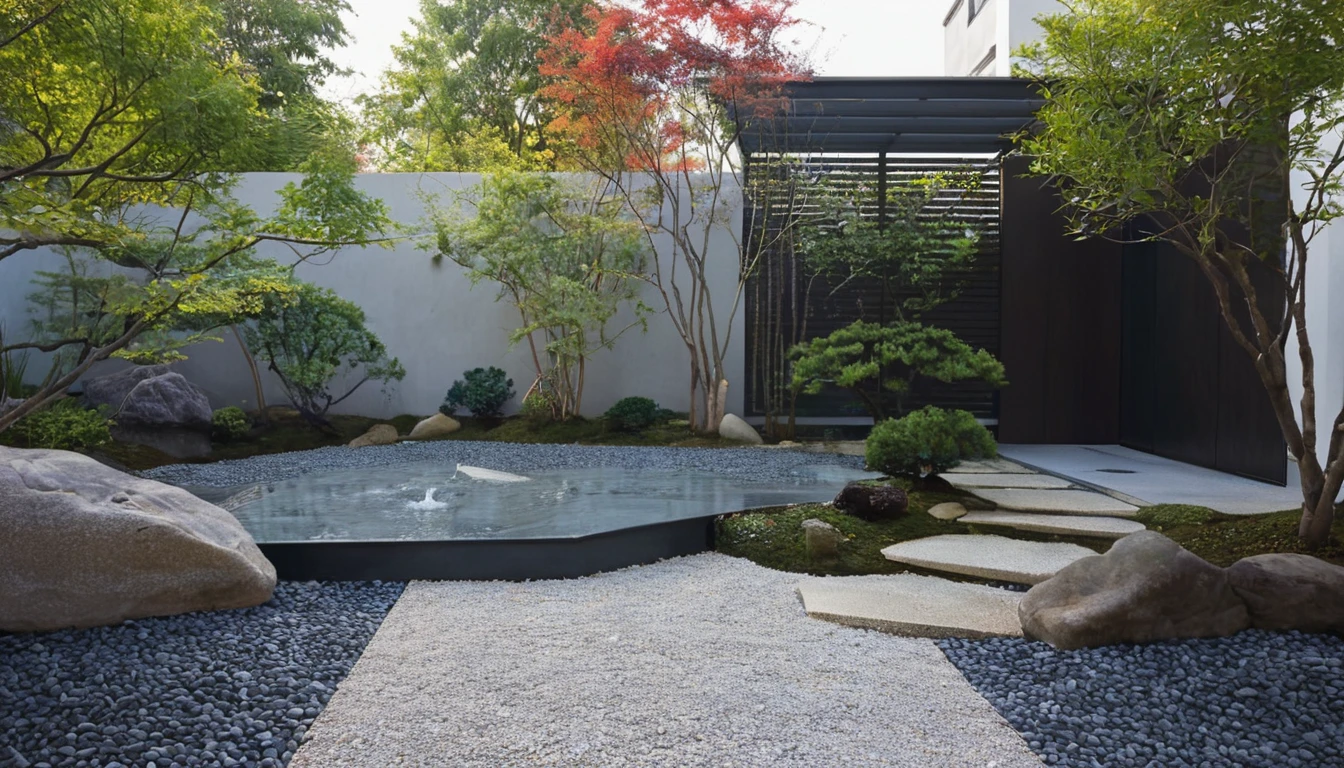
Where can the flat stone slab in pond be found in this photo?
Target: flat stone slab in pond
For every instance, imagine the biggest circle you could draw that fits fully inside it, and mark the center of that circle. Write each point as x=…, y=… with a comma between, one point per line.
x=988, y=557
x=1065, y=525
x=992, y=466
x=1059, y=502
x=913, y=606
x=1002, y=480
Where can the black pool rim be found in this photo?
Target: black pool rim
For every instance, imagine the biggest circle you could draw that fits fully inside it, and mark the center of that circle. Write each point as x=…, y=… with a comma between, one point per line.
x=491, y=559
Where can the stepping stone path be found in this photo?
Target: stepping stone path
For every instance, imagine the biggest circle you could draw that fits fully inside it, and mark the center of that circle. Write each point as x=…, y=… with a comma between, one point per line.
x=975, y=480
x=914, y=606
x=1064, y=525
x=988, y=557
x=1059, y=502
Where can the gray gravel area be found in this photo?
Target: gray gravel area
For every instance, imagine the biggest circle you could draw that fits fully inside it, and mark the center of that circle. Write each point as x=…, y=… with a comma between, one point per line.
x=1254, y=699
x=201, y=689
x=757, y=463
x=698, y=661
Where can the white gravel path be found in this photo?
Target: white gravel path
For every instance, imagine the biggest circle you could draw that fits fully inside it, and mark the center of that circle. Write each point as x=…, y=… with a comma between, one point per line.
x=700, y=661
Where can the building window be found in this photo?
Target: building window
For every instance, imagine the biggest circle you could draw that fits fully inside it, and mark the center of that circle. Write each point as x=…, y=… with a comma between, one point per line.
x=973, y=8
x=986, y=62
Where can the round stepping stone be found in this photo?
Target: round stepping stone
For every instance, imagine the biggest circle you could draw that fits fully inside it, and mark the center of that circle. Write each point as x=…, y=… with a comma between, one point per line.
x=948, y=510
x=1064, y=525
x=914, y=606
x=988, y=557
x=1057, y=502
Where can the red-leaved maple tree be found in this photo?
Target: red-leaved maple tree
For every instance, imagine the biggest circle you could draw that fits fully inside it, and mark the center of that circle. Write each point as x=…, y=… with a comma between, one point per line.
x=655, y=95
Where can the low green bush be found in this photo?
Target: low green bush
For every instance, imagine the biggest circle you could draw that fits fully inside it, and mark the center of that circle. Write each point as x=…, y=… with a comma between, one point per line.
x=483, y=391
x=62, y=426
x=927, y=442
x=632, y=414
x=229, y=424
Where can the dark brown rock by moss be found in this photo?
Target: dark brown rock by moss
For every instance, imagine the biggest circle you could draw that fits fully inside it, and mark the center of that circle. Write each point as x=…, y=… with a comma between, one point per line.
x=872, y=502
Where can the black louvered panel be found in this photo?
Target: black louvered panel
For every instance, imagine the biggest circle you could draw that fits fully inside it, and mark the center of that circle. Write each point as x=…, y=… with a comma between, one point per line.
x=781, y=304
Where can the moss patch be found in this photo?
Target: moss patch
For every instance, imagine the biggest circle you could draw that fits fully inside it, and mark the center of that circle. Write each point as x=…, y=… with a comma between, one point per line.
x=1163, y=516
x=1225, y=539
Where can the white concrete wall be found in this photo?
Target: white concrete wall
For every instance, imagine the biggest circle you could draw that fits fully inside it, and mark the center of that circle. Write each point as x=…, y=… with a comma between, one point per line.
x=1002, y=25
x=431, y=318
x=1325, y=320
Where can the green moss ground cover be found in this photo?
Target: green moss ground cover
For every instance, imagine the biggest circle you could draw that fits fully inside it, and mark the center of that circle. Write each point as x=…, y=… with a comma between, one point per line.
x=1224, y=539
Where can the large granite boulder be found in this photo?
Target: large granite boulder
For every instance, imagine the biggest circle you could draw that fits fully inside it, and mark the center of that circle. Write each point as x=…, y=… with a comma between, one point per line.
x=734, y=428
x=150, y=397
x=378, y=434
x=82, y=545
x=435, y=426
x=872, y=502
x=1146, y=588
x=1290, y=591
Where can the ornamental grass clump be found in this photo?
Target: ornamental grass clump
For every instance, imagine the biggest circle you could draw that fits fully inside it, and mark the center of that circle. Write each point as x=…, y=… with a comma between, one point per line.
x=929, y=441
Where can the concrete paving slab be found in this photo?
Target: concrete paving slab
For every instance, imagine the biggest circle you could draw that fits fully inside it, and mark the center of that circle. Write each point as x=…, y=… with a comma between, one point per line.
x=1064, y=525
x=1152, y=479
x=997, y=465
x=1003, y=480
x=988, y=557
x=911, y=605
x=1057, y=502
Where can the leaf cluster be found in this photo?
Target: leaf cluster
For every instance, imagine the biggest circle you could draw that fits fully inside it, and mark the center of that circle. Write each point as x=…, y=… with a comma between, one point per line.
x=483, y=391
x=929, y=441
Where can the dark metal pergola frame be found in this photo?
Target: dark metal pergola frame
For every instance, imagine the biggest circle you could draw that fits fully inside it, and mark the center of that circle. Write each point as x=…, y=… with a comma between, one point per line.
x=908, y=115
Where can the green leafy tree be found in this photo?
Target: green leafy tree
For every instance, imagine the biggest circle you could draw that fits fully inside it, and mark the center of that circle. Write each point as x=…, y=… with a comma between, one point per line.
x=564, y=255
x=285, y=42
x=1219, y=125
x=313, y=337
x=114, y=114
x=463, y=94
x=880, y=363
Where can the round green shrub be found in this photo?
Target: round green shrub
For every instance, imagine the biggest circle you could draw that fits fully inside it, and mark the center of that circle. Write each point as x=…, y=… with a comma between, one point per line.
x=62, y=426
x=483, y=391
x=229, y=424
x=927, y=442
x=631, y=414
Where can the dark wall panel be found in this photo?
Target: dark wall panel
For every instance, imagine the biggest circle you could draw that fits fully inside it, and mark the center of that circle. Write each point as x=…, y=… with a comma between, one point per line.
x=1060, y=338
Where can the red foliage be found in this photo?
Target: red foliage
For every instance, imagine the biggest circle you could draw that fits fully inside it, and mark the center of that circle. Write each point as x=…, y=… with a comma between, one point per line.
x=632, y=88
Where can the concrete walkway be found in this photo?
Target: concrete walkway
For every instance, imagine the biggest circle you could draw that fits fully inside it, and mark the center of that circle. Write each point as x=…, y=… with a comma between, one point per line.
x=700, y=661
x=914, y=606
x=1145, y=479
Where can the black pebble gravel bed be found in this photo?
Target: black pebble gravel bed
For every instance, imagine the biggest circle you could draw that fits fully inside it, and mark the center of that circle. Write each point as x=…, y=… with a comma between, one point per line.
x=756, y=463
x=200, y=689
x=1254, y=699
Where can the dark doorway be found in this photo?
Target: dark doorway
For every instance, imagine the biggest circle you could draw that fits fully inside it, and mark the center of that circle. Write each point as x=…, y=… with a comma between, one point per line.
x=1188, y=392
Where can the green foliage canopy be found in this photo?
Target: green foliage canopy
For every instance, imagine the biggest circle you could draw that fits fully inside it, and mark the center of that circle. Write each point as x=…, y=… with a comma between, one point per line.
x=929, y=441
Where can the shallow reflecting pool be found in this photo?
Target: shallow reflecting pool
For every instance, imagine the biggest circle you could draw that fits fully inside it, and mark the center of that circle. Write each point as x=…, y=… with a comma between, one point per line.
x=428, y=501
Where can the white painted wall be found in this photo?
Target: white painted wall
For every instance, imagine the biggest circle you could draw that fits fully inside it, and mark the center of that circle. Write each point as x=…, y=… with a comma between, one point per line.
x=1002, y=25
x=431, y=318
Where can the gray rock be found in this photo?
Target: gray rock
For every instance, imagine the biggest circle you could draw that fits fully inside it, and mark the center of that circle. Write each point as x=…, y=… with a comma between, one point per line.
x=112, y=389
x=1290, y=591
x=85, y=545
x=734, y=428
x=1146, y=588
x=437, y=425
x=822, y=540
x=167, y=401
x=948, y=510
x=8, y=404
x=378, y=434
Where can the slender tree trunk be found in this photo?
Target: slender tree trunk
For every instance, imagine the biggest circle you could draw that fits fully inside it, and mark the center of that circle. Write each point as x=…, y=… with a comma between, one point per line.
x=256, y=375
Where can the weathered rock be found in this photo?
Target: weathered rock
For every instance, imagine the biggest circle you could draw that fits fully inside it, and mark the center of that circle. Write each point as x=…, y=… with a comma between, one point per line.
x=167, y=401
x=84, y=545
x=734, y=428
x=1289, y=591
x=872, y=502
x=112, y=389
x=437, y=425
x=1146, y=588
x=8, y=404
x=378, y=434
x=948, y=510
x=822, y=540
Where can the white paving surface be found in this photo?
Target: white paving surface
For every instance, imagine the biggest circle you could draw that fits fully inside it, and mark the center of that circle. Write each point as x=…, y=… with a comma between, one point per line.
x=1066, y=525
x=988, y=557
x=1002, y=480
x=913, y=605
x=700, y=661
